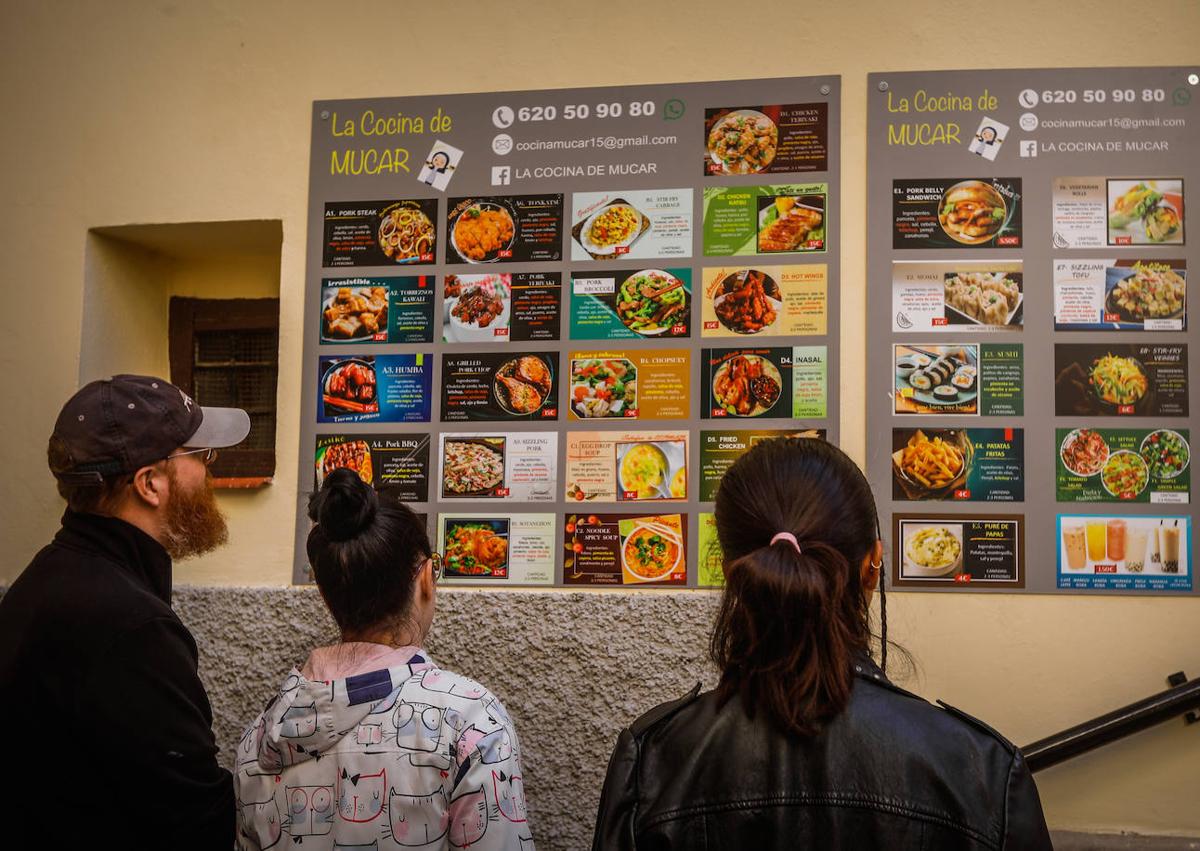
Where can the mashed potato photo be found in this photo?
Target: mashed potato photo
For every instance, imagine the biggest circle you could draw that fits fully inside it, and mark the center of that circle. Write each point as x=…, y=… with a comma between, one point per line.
x=933, y=549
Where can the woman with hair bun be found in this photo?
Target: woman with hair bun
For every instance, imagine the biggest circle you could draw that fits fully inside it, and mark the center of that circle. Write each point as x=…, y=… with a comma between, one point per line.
x=805, y=743
x=370, y=744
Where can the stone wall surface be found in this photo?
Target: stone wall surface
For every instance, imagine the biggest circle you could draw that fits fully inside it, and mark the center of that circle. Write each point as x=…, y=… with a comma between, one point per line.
x=571, y=668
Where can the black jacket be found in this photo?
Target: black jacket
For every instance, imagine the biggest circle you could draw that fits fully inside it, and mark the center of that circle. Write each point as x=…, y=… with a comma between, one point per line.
x=109, y=731
x=891, y=771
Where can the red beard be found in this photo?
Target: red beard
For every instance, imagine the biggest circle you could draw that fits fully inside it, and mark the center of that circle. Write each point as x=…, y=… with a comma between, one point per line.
x=194, y=523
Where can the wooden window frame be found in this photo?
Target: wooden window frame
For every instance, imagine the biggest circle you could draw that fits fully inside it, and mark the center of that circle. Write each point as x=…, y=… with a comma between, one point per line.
x=189, y=315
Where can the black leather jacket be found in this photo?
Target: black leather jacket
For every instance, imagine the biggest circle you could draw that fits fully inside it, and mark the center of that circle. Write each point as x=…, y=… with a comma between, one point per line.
x=891, y=771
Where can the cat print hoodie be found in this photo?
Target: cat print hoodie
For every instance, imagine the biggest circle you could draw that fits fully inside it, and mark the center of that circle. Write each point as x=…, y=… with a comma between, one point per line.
x=408, y=756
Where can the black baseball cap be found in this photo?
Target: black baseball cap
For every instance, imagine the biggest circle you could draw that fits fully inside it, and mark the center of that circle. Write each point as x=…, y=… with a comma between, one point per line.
x=120, y=424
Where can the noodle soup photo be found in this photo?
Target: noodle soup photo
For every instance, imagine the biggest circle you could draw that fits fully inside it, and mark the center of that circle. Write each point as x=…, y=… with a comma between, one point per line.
x=625, y=549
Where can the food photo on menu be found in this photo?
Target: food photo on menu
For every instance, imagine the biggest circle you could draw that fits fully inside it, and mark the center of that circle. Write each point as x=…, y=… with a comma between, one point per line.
x=1123, y=465
x=762, y=220
x=764, y=139
x=495, y=387
x=1130, y=552
x=629, y=384
x=504, y=229
x=380, y=233
x=631, y=303
x=1121, y=379
x=631, y=224
x=621, y=466
x=960, y=550
x=516, y=466
x=787, y=382
x=377, y=310
x=625, y=549
x=1120, y=294
x=975, y=464
x=501, y=307
x=499, y=548
x=766, y=301
x=957, y=213
x=937, y=379
x=1145, y=212
x=1096, y=212
x=949, y=296
x=374, y=388
x=393, y=464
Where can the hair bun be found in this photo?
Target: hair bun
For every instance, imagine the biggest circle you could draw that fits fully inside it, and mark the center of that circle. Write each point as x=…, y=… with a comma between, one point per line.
x=344, y=506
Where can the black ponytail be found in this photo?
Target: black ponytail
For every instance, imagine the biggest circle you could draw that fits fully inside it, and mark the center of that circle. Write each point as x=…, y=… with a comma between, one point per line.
x=364, y=550
x=793, y=619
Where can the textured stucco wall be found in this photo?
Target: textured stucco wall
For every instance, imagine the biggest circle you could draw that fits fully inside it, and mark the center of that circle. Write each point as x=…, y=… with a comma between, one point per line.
x=571, y=668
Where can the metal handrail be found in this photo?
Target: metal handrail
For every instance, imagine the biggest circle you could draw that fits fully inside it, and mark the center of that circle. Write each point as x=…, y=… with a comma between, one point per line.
x=1115, y=725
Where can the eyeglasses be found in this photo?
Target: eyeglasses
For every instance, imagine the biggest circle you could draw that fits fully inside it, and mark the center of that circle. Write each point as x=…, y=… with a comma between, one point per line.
x=439, y=567
x=209, y=456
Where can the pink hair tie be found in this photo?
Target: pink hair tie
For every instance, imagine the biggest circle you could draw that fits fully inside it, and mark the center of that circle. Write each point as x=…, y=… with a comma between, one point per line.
x=786, y=536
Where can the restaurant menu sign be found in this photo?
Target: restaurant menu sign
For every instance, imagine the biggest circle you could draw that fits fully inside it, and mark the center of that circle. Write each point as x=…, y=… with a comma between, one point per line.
x=1030, y=355
x=550, y=320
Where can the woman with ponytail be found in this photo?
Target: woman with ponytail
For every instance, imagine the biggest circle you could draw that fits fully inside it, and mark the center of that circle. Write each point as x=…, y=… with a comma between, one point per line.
x=370, y=744
x=805, y=743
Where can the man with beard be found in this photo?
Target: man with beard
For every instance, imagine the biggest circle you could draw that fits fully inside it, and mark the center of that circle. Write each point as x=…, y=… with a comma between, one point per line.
x=108, y=727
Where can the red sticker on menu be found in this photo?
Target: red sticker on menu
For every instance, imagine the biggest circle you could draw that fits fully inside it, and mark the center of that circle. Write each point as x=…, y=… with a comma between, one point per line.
x=499, y=332
x=962, y=493
x=427, y=257
x=962, y=577
x=1106, y=568
x=939, y=320
x=621, y=249
x=503, y=491
x=1125, y=409
x=504, y=253
x=1008, y=240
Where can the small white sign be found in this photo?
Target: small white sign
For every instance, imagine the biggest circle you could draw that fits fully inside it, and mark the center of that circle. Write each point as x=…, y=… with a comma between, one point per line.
x=988, y=138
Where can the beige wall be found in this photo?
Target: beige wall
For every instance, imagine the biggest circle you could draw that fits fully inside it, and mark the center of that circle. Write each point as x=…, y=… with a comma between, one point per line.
x=122, y=113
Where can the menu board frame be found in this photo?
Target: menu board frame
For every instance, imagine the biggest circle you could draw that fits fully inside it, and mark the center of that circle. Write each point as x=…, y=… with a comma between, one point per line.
x=542, y=182
x=997, y=135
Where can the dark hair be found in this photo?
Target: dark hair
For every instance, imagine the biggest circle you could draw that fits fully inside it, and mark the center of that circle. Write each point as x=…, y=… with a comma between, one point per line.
x=791, y=623
x=364, y=551
x=97, y=498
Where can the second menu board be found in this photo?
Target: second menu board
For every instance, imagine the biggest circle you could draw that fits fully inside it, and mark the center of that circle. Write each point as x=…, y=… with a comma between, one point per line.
x=1030, y=344
x=549, y=320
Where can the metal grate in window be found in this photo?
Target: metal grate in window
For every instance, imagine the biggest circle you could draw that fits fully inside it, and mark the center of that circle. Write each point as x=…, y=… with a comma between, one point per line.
x=239, y=369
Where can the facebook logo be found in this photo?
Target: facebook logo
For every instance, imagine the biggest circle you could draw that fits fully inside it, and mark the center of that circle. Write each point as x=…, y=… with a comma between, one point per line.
x=1029, y=147
x=501, y=175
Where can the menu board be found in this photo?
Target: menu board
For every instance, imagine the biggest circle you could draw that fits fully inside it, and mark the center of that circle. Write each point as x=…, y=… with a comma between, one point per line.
x=538, y=317
x=1027, y=294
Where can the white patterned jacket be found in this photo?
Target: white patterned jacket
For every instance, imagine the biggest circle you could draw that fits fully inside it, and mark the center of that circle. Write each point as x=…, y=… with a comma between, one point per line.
x=406, y=756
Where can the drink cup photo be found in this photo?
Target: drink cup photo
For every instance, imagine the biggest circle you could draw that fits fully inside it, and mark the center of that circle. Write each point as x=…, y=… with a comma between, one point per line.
x=1135, y=549
x=1097, y=538
x=1075, y=540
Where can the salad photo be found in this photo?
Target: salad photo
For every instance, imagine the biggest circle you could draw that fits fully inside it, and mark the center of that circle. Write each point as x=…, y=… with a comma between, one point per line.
x=603, y=388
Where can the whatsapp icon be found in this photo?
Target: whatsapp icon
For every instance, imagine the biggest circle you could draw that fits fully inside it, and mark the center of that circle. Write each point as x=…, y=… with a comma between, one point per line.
x=1181, y=96
x=673, y=109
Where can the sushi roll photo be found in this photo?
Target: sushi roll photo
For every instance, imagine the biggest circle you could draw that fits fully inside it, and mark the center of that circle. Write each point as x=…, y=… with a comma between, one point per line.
x=920, y=380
